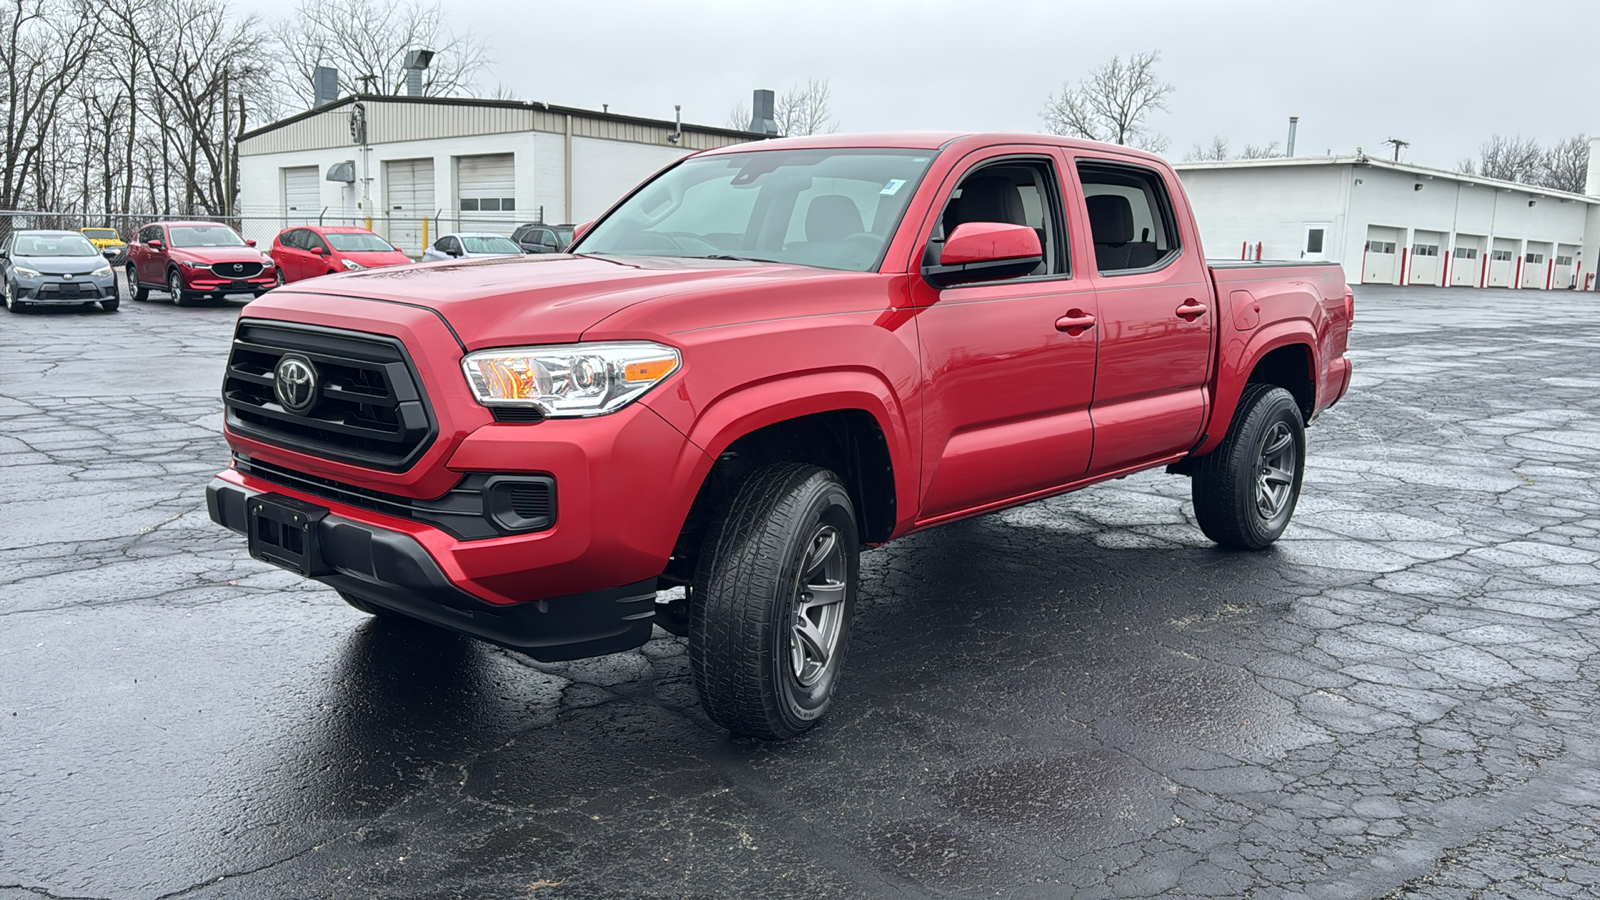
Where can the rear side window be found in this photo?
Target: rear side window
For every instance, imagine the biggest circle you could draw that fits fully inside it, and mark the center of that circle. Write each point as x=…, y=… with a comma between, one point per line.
x=1130, y=217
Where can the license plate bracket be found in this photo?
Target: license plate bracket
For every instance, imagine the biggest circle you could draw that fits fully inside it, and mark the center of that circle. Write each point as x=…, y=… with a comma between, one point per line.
x=284, y=531
x=239, y=285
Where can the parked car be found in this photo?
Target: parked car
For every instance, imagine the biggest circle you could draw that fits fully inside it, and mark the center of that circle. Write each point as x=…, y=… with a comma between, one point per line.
x=467, y=245
x=108, y=242
x=191, y=260
x=753, y=366
x=541, y=238
x=55, y=268
x=313, y=250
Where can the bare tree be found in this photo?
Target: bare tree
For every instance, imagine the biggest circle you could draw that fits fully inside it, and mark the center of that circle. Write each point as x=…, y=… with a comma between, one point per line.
x=1112, y=104
x=739, y=117
x=1566, y=165
x=1270, y=151
x=1509, y=159
x=1216, y=152
x=804, y=110
x=44, y=48
x=371, y=37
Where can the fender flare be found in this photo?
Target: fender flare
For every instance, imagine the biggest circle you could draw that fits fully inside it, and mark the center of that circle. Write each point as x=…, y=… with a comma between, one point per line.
x=1231, y=378
x=751, y=407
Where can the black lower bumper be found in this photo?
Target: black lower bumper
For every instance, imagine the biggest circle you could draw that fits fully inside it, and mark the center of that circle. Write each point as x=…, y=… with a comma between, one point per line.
x=392, y=570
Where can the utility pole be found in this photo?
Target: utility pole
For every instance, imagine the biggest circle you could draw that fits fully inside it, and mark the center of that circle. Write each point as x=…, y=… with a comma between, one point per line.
x=1398, y=146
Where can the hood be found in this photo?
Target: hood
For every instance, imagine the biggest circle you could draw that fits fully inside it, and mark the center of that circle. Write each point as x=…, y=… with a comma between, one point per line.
x=375, y=257
x=551, y=298
x=217, y=254
x=61, y=265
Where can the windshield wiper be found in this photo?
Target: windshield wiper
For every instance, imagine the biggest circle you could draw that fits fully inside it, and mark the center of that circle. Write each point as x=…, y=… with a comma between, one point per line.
x=737, y=258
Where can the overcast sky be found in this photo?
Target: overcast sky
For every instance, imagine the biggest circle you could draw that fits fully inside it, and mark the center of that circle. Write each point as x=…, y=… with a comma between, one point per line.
x=1443, y=75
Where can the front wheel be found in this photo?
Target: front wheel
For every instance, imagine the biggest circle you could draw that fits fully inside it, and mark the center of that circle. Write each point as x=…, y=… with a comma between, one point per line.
x=770, y=610
x=12, y=303
x=1245, y=491
x=110, y=305
x=175, y=288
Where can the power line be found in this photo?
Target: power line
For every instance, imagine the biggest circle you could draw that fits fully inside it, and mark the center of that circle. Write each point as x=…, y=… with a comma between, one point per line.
x=1398, y=145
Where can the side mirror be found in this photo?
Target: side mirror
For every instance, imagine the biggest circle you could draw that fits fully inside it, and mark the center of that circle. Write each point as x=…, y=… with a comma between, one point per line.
x=110, y=252
x=454, y=251
x=249, y=242
x=579, y=231
x=985, y=251
x=153, y=245
x=321, y=251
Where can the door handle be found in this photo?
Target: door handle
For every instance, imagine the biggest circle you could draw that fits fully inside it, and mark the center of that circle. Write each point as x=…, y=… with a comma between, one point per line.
x=1191, y=309
x=1075, y=322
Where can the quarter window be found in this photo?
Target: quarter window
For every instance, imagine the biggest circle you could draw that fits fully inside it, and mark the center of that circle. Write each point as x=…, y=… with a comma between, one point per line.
x=1130, y=217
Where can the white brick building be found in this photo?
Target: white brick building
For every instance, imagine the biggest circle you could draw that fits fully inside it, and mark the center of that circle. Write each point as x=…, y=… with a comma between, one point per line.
x=437, y=164
x=1395, y=223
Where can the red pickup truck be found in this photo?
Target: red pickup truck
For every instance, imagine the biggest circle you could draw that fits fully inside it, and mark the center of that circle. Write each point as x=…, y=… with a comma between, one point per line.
x=761, y=361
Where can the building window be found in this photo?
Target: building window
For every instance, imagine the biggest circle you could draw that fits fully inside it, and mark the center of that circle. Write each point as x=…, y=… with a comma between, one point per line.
x=1563, y=260
x=1425, y=249
x=469, y=205
x=1380, y=246
x=1314, y=240
x=1535, y=258
x=1501, y=256
x=1466, y=253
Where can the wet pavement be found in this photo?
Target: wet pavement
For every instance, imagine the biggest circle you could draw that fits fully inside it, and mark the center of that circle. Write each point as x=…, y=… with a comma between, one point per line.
x=1075, y=698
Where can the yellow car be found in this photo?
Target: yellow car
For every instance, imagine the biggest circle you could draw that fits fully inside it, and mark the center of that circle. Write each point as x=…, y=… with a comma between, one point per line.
x=105, y=239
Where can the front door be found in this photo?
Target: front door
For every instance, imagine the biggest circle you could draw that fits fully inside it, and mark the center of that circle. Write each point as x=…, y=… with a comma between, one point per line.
x=1156, y=316
x=1008, y=366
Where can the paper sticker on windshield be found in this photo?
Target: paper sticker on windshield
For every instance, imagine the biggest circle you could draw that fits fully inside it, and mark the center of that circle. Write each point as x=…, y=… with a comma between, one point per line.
x=893, y=187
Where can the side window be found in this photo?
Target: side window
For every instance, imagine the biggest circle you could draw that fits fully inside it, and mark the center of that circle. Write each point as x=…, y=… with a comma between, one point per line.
x=313, y=241
x=441, y=246
x=1130, y=217
x=451, y=245
x=1012, y=192
x=149, y=233
x=292, y=239
x=521, y=234
x=547, y=238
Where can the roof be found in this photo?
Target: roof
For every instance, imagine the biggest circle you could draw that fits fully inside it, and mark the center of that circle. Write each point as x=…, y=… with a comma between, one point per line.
x=1361, y=159
x=931, y=140
x=492, y=104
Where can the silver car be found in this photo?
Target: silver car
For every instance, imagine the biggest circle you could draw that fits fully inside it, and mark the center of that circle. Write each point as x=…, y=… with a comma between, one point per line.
x=55, y=268
x=468, y=245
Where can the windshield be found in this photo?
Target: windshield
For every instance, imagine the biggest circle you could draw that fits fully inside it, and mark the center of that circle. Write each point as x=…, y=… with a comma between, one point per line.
x=833, y=209
x=358, y=242
x=483, y=244
x=101, y=234
x=204, y=236
x=53, y=245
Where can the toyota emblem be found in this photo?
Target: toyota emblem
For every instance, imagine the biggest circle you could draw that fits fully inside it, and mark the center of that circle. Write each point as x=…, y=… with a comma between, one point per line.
x=295, y=383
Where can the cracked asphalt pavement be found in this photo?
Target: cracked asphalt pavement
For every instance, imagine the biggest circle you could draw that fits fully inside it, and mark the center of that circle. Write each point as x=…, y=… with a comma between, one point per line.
x=1077, y=698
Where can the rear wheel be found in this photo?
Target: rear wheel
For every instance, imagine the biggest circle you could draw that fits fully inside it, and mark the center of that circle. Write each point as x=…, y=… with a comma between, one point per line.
x=137, y=291
x=1245, y=491
x=770, y=610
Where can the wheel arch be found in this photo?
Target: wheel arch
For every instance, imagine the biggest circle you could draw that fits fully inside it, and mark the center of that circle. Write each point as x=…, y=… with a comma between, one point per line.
x=1283, y=354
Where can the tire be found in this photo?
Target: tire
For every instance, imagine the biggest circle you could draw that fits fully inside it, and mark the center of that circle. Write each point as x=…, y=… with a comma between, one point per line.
x=175, y=288
x=1245, y=491
x=111, y=305
x=279, y=276
x=371, y=609
x=136, y=289
x=12, y=303
x=790, y=530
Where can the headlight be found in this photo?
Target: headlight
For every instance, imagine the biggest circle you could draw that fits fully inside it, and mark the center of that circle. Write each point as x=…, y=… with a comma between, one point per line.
x=102, y=272
x=352, y=266
x=193, y=265
x=25, y=272
x=569, y=379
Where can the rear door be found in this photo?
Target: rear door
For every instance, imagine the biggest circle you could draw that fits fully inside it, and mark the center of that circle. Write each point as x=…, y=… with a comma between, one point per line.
x=1008, y=366
x=1156, y=315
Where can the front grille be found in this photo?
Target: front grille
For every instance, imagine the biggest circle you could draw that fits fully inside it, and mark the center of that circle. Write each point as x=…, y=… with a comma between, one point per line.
x=237, y=269
x=369, y=409
x=70, y=289
x=461, y=512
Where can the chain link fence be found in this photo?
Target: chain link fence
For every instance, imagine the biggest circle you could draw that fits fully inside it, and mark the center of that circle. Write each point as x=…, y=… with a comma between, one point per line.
x=410, y=234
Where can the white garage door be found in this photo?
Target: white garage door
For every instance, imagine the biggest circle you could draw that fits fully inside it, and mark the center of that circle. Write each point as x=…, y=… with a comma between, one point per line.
x=1538, y=264
x=1565, y=274
x=408, y=199
x=1467, y=263
x=486, y=192
x=302, y=196
x=1380, y=261
x=1427, y=265
x=1503, y=262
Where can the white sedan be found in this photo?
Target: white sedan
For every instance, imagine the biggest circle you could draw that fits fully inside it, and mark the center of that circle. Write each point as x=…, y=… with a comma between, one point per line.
x=470, y=246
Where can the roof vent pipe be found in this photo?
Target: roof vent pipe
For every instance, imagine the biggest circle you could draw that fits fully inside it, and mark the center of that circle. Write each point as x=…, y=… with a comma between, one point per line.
x=1288, y=150
x=1591, y=185
x=762, y=120
x=324, y=86
x=416, y=61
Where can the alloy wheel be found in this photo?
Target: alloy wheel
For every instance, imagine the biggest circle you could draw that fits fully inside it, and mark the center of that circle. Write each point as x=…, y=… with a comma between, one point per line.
x=818, y=611
x=1275, y=471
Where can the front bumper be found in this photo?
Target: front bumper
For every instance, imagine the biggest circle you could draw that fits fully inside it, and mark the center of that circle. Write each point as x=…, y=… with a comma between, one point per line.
x=52, y=289
x=391, y=568
x=205, y=281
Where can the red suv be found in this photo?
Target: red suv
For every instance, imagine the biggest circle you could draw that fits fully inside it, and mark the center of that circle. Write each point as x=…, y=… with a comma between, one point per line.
x=313, y=250
x=191, y=260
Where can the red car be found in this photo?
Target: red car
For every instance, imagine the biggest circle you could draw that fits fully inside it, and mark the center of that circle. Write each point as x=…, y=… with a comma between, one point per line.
x=191, y=260
x=757, y=364
x=312, y=250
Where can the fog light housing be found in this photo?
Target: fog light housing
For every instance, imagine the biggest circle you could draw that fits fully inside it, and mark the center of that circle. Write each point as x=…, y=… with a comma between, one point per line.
x=520, y=503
